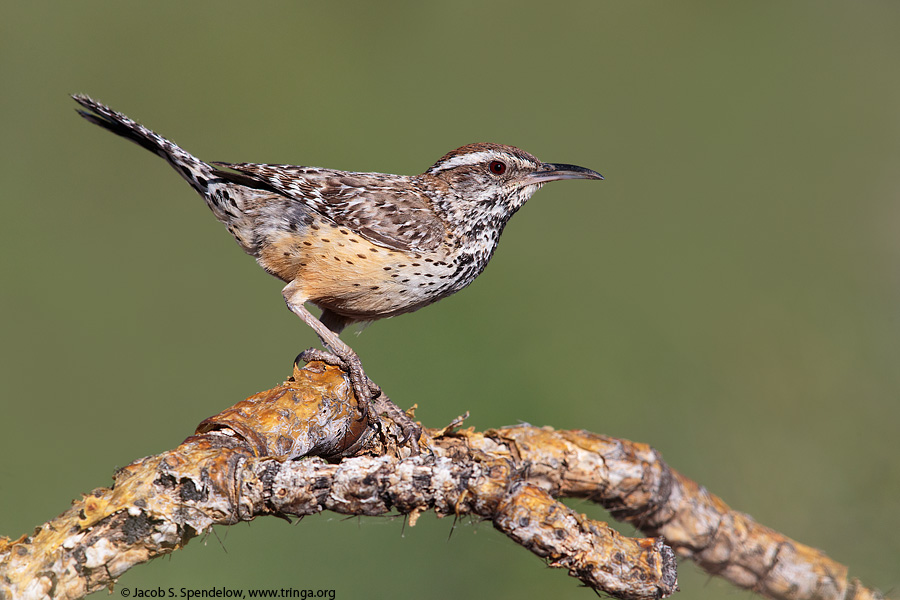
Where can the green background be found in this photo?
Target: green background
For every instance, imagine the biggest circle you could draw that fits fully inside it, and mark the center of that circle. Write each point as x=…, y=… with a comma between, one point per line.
x=729, y=295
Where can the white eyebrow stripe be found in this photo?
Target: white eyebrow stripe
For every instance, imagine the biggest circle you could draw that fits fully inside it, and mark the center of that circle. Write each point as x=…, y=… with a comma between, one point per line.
x=470, y=158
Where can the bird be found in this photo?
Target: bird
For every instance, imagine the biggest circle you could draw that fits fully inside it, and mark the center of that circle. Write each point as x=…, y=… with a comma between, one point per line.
x=359, y=246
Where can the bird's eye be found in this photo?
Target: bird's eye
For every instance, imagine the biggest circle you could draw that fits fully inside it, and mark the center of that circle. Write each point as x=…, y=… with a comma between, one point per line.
x=497, y=167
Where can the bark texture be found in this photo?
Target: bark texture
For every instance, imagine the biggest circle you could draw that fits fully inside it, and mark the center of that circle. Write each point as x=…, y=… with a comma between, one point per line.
x=300, y=448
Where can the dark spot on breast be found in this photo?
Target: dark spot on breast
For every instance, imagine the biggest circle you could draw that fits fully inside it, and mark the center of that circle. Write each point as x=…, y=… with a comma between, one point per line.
x=416, y=265
x=387, y=268
x=374, y=287
x=361, y=255
x=354, y=240
x=307, y=243
x=344, y=231
x=349, y=262
x=326, y=240
x=373, y=249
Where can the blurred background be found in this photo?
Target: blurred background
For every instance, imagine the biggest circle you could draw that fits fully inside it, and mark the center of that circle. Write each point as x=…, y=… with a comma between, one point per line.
x=729, y=295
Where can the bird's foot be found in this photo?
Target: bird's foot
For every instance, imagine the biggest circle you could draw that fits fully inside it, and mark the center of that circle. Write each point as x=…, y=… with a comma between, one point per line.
x=364, y=388
x=372, y=401
x=411, y=431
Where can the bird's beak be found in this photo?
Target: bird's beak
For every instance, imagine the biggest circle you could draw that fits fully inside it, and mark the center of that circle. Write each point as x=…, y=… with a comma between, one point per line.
x=556, y=171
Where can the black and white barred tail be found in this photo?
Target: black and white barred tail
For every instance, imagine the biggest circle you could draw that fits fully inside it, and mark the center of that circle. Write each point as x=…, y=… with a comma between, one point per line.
x=216, y=187
x=194, y=170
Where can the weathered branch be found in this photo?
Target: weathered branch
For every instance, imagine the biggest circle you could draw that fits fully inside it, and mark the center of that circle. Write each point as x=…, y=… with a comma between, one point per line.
x=238, y=466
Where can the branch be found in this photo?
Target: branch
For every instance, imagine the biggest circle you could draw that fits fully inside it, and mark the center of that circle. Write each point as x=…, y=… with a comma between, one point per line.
x=238, y=466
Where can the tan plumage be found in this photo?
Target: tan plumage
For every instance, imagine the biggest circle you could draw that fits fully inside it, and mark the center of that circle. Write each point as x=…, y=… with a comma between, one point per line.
x=361, y=246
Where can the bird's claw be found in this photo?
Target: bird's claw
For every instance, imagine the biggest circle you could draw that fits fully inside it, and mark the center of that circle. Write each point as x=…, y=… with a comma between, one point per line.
x=361, y=384
x=368, y=394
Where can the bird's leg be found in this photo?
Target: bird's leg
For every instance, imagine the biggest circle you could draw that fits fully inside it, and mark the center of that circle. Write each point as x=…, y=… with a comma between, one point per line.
x=363, y=388
x=340, y=354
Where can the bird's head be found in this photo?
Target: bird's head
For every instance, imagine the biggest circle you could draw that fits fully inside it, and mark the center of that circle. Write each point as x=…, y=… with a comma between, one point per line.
x=496, y=180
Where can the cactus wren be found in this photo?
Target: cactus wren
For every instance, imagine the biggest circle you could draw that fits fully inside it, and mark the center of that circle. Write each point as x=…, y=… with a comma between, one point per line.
x=360, y=246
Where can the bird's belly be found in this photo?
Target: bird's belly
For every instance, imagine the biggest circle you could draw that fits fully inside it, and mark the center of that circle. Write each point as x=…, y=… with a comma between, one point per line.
x=340, y=271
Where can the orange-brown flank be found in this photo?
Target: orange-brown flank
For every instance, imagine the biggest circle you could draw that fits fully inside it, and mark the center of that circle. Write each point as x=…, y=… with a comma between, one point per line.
x=339, y=270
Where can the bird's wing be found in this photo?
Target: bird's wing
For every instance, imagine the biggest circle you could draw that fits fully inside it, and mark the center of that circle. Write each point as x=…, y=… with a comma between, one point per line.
x=385, y=209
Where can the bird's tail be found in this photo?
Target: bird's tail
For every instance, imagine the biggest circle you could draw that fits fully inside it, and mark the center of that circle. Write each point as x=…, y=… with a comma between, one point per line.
x=194, y=170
